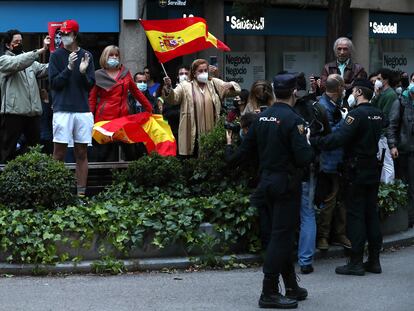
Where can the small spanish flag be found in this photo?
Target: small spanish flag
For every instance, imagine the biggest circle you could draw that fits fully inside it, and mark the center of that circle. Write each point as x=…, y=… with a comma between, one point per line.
x=172, y=38
x=151, y=129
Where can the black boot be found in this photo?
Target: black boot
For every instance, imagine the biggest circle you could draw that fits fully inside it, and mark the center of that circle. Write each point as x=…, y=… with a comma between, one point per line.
x=293, y=290
x=373, y=263
x=271, y=298
x=353, y=267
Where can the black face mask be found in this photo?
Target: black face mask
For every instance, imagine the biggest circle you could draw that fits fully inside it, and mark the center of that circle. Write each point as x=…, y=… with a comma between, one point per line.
x=18, y=49
x=405, y=82
x=236, y=103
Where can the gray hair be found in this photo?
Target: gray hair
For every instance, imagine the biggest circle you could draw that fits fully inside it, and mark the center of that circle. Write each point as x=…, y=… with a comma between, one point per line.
x=347, y=41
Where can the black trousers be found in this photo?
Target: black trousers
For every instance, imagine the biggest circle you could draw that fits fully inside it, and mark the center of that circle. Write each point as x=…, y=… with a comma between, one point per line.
x=258, y=200
x=285, y=214
x=12, y=126
x=362, y=222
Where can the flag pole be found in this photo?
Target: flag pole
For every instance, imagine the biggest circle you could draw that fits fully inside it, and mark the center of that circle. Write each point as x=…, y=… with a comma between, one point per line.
x=163, y=68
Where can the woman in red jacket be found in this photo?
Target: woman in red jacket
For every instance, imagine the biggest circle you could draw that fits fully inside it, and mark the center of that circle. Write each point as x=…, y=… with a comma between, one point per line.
x=108, y=99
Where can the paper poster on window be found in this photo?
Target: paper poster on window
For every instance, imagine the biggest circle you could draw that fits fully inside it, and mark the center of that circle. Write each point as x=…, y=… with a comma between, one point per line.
x=55, y=37
x=244, y=68
x=401, y=61
x=307, y=62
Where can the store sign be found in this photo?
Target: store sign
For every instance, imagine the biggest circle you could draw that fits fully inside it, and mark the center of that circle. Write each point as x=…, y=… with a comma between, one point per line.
x=379, y=28
x=245, y=24
x=164, y=3
x=244, y=67
x=398, y=61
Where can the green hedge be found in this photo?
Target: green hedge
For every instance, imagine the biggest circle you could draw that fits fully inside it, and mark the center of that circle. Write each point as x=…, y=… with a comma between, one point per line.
x=29, y=236
x=35, y=180
x=161, y=198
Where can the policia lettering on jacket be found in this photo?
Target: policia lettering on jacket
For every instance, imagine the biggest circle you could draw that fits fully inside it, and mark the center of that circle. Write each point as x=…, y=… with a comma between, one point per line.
x=359, y=135
x=278, y=137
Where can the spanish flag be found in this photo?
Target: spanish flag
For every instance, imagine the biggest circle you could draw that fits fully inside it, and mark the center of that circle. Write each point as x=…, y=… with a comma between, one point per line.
x=151, y=129
x=171, y=38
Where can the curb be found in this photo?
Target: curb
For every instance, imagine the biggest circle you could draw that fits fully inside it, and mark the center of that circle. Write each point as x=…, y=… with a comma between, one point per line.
x=401, y=239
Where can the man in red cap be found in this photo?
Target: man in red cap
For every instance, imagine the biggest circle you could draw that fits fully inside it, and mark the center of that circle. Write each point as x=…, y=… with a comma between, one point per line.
x=71, y=76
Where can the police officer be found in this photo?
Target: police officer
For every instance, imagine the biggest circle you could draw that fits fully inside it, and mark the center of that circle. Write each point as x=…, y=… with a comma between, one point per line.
x=359, y=135
x=278, y=136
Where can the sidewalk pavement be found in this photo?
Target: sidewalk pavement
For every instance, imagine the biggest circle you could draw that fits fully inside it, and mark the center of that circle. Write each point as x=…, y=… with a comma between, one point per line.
x=405, y=238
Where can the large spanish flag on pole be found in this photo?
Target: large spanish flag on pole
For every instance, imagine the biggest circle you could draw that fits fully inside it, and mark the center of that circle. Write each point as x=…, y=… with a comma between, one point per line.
x=171, y=38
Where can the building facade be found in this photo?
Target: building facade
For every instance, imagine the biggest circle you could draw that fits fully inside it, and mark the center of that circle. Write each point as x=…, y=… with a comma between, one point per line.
x=291, y=34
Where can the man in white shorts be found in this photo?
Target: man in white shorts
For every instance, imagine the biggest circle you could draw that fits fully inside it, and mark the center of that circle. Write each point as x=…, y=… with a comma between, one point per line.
x=71, y=77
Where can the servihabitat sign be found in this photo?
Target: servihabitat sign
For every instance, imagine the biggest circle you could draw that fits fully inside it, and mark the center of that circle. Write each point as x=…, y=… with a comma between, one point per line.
x=402, y=61
x=244, y=67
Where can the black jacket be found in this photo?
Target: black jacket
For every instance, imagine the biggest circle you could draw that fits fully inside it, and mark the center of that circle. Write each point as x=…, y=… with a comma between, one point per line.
x=278, y=137
x=400, y=132
x=359, y=135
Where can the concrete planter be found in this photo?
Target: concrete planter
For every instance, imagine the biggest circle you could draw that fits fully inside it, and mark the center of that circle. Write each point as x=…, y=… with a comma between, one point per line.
x=395, y=222
x=148, y=250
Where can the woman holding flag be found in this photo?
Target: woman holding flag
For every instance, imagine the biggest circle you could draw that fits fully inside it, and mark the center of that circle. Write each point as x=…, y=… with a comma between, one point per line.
x=200, y=104
x=108, y=99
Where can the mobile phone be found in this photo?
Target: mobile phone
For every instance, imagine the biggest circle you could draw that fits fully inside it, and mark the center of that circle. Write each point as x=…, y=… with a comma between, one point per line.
x=213, y=61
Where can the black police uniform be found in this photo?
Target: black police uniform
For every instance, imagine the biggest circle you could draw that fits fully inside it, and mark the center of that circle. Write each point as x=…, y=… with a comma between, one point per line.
x=359, y=135
x=278, y=137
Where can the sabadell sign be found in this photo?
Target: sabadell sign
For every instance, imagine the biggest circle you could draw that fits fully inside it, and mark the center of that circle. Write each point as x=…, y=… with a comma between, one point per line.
x=380, y=28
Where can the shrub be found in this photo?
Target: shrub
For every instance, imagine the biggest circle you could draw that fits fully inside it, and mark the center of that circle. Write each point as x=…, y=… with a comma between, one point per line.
x=152, y=171
x=391, y=197
x=35, y=180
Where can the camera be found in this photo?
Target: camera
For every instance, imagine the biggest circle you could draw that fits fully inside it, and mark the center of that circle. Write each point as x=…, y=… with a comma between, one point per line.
x=233, y=126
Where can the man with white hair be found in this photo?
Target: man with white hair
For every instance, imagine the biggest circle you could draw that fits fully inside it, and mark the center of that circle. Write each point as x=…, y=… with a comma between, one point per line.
x=343, y=64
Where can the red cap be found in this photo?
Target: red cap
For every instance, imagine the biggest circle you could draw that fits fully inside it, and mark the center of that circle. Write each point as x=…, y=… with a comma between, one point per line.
x=69, y=26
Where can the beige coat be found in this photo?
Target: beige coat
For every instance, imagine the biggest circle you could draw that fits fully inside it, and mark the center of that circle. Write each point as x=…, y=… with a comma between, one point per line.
x=183, y=95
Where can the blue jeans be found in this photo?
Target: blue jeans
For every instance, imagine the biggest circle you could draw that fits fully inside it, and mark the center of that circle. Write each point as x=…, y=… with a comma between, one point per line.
x=307, y=235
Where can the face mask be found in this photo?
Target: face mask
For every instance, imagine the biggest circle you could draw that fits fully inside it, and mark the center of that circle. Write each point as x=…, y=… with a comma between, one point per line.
x=17, y=49
x=67, y=40
x=142, y=86
x=378, y=84
x=351, y=101
x=398, y=90
x=410, y=86
x=112, y=62
x=183, y=78
x=203, y=77
x=343, y=93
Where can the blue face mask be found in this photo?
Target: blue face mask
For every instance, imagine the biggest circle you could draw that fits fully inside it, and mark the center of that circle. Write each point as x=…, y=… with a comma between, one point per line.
x=142, y=86
x=112, y=62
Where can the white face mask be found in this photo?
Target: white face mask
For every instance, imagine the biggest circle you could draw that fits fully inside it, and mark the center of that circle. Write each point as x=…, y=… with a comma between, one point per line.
x=411, y=85
x=67, y=40
x=203, y=77
x=182, y=78
x=351, y=101
x=343, y=93
x=142, y=86
x=399, y=90
x=378, y=84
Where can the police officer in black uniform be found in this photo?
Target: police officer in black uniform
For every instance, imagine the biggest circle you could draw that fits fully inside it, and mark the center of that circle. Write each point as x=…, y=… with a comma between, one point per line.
x=359, y=135
x=278, y=136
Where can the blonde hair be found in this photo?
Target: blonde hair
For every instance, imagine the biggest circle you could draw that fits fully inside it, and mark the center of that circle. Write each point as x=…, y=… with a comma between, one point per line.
x=195, y=65
x=105, y=54
x=261, y=94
